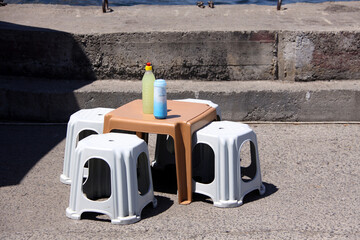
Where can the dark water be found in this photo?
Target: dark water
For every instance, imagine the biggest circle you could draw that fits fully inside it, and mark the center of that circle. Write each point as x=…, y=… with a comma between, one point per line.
x=164, y=2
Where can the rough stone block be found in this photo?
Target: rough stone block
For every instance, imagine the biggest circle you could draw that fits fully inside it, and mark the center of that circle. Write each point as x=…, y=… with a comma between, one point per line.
x=307, y=56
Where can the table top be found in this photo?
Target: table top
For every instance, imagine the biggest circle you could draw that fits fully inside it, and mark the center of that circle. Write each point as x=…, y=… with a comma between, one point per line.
x=177, y=112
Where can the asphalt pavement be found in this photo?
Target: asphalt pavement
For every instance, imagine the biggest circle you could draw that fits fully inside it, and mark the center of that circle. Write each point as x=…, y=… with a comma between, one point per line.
x=311, y=173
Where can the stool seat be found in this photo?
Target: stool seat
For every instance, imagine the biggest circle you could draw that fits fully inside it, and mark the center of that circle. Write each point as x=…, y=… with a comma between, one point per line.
x=225, y=139
x=208, y=102
x=119, y=171
x=81, y=124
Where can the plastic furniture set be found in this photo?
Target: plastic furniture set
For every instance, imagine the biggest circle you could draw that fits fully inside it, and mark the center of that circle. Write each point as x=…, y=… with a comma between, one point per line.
x=108, y=165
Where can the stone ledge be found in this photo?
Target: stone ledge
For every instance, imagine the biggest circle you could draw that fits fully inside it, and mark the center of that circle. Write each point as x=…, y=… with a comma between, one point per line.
x=54, y=101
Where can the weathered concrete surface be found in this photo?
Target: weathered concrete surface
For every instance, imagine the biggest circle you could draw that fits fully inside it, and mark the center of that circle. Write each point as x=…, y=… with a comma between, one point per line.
x=311, y=172
x=54, y=101
x=305, y=56
x=302, y=42
x=174, y=55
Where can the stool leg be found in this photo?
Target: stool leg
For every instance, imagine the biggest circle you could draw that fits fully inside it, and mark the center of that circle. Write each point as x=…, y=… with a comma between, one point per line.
x=253, y=171
x=261, y=186
x=75, y=189
x=73, y=134
x=70, y=141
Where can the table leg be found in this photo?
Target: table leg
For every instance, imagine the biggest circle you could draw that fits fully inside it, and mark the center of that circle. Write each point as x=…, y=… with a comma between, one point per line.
x=186, y=136
x=187, y=130
x=144, y=136
x=181, y=175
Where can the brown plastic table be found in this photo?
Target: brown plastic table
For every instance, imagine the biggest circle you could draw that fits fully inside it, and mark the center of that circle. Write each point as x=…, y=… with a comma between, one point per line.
x=183, y=119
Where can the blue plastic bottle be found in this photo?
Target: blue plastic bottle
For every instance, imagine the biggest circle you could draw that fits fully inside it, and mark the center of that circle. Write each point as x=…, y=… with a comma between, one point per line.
x=160, y=105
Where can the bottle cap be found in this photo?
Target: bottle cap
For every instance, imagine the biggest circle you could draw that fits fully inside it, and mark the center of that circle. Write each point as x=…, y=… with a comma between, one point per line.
x=148, y=66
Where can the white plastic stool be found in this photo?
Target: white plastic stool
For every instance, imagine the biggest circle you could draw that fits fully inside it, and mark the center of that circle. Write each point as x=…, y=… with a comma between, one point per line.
x=164, y=151
x=226, y=140
x=127, y=159
x=81, y=124
x=208, y=102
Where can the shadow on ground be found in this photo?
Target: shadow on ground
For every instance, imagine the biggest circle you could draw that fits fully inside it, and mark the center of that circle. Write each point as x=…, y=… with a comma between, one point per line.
x=163, y=204
x=21, y=147
x=28, y=54
x=164, y=180
x=250, y=197
x=254, y=195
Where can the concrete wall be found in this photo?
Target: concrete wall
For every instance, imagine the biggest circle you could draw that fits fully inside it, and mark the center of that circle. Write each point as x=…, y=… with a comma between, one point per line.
x=302, y=42
x=253, y=55
x=306, y=56
x=174, y=55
